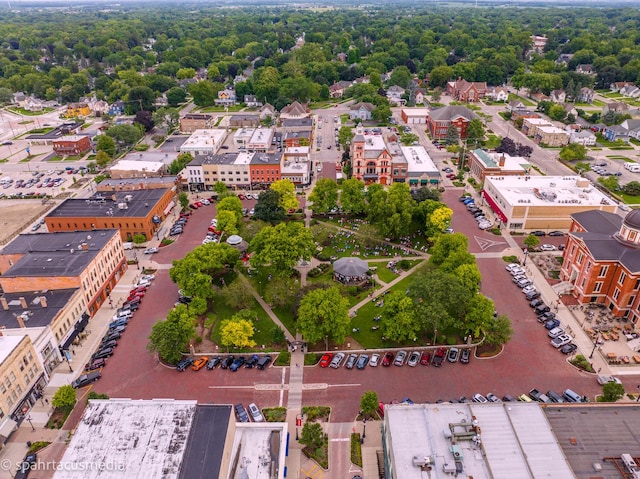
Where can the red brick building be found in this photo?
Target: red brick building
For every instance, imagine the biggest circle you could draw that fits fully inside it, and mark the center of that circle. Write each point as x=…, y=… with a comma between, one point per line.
x=464, y=90
x=71, y=145
x=602, y=261
x=441, y=119
x=371, y=161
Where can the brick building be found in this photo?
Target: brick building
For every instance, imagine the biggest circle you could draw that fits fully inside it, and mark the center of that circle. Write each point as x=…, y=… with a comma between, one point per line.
x=483, y=163
x=602, y=261
x=71, y=145
x=441, y=119
x=370, y=158
x=93, y=261
x=195, y=121
x=464, y=90
x=131, y=212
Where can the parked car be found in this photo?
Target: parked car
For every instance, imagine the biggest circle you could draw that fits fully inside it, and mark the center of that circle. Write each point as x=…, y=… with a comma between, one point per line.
x=214, y=362
x=375, y=360
x=263, y=362
x=554, y=396
x=538, y=233
x=492, y=398
x=351, y=361
x=95, y=364
x=326, y=360
x=199, y=363
x=465, y=355
x=86, y=379
x=561, y=340
x=414, y=358
x=251, y=361
x=400, y=358
x=237, y=363
x=425, y=358
x=27, y=464
x=453, y=355
x=556, y=233
x=337, y=360
x=568, y=348
x=109, y=344
x=184, y=363
x=548, y=247
x=479, y=398
x=529, y=289
x=227, y=361
x=555, y=332
x=387, y=359
x=363, y=359
x=439, y=356
x=256, y=415
x=102, y=353
x=542, y=308
x=241, y=413
x=536, y=302
x=538, y=396
x=533, y=295
x=508, y=398
x=602, y=380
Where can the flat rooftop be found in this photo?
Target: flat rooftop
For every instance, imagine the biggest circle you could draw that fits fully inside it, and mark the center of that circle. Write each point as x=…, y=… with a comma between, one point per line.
x=50, y=254
x=7, y=345
x=37, y=315
x=538, y=121
x=116, y=204
x=164, y=157
x=223, y=159
x=112, y=183
x=545, y=190
x=260, y=449
x=71, y=138
x=515, y=441
x=511, y=163
x=416, y=111
x=418, y=160
x=296, y=122
x=138, y=165
x=551, y=129
x=206, y=138
x=589, y=434
x=129, y=438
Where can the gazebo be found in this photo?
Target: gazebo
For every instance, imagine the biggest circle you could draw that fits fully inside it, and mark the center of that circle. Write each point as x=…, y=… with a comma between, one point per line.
x=350, y=270
x=237, y=242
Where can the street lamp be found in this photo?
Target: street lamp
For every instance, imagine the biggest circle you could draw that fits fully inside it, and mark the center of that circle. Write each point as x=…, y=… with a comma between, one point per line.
x=364, y=428
x=595, y=345
x=638, y=396
x=30, y=423
x=526, y=253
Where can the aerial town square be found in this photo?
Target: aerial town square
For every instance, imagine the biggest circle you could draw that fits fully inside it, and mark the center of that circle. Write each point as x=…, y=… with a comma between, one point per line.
x=334, y=241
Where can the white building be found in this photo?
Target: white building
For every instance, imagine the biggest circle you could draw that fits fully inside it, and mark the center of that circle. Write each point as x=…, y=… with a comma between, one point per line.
x=260, y=141
x=483, y=441
x=242, y=137
x=296, y=166
x=582, y=137
x=542, y=202
x=415, y=116
x=420, y=168
x=204, y=142
x=136, y=169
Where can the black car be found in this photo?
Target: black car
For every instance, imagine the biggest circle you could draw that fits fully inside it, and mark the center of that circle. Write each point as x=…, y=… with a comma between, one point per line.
x=214, y=362
x=533, y=295
x=184, y=299
x=538, y=233
x=102, y=353
x=241, y=413
x=536, y=302
x=568, y=348
x=556, y=233
x=111, y=337
x=237, y=364
x=548, y=316
x=109, y=344
x=184, y=363
x=27, y=464
x=226, y=362
x=117, y=329
x=86, y=379
x=542, y=308
x=251, y=362
x=465, y=355
x=130, y=306
x=95, y=364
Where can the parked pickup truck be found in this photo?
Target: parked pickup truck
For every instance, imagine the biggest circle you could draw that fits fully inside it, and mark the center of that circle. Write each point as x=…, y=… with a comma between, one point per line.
x=538, y=396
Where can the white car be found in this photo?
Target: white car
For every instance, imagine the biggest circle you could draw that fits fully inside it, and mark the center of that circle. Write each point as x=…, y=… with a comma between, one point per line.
x=256, y=415
x=144, y=282
x=375, y=360
x=555, y=332
x=529, y=289
x=560, y=341
x=214, y=222
x=479, y=398
x=148, y=277
x=548, y=247
x=511, y=266
x=485, y=225
x=205, y=202
x=602, y=380
x=151, y=250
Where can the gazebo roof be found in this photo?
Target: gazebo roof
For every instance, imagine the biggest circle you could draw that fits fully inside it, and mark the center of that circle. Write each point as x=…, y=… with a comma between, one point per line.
x=350, y=266
x=234, y=240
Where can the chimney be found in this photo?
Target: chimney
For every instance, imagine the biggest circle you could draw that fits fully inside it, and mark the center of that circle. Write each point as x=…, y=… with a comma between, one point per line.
x=3, y=302
x=501, y=162
x=23, y=302
x=20, y=322
x=113, y=198
x=85, y=246
x=43, y=301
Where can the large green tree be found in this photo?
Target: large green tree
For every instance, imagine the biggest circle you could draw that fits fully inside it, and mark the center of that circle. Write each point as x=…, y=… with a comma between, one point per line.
x=269, y=246
x=170, y=337
x=286, y=190
x=352, y=196
x=324, y=314
x=238, y=330
x=391, y=211
x=324, y=196
x=268, y=207
x=398, y=320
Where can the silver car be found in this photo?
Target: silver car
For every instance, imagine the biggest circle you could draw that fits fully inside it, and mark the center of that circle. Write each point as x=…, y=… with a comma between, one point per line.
x=400, y=358
x=337, y=360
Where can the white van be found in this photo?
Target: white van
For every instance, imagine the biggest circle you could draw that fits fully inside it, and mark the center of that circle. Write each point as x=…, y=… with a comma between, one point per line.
x=127, y=245
x=633, y=167
x=571, y=396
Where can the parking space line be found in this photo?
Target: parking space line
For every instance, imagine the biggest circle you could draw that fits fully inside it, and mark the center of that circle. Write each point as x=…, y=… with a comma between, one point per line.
x=315, y=472
x=350, y=385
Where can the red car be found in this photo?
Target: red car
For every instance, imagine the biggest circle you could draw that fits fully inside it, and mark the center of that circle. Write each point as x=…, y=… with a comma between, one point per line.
x=213, y=230
x=326, y=360
x=387, y=360
x=138, y=289
x=194, y=206
x=438, y=358
x=425, y=359
x=198, y=204
x=451, y=176
x=135, y=295
x=185, y=214
x=242, y=197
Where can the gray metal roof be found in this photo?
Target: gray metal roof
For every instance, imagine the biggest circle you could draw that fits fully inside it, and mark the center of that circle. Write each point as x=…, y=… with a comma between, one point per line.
x=105, y=203
x=38, y=315
x=451, y=112
x=596, y=221
x=291, y=122
x=267, y=158
x=153, y=180
x=606, y=248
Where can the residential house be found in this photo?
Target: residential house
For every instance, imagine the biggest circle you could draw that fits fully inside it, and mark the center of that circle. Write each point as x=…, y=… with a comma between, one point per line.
x=295, y=110
x=226, y=97
x=633, y=126
x=161, y=102
x=616, y=132
x=342, y=57
x=498, y=93
x=558, y=96
x=586, y=95
x=18, y=97
x=516, y=104
x=338, y=89
x=462, y=90
x=32, y=103
x=523, y=113
x=619, y=85
x=570, y=109
x=616, y=107
x=361, y=111
x=71, y=145
x=395, y=94
x=539, y=42
x=564, y=58
x=252, y=102
x=267, y=111
x=185, y=82
x=239, y=78
x=582, y=137
x=630, y=91
x=539, y=96
x=419, y=96
x=116, y=108
x=439, y=121
x=363, y=80
x=77, y=110
x=196, y=121
x=585, y=69
x=99, y=107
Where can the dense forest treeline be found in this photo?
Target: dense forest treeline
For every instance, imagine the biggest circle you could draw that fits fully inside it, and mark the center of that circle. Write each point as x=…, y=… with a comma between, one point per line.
x=63, y=55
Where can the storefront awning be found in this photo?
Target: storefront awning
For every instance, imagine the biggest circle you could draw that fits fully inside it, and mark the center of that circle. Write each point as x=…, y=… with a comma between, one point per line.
x=496, y=209
x=413, y=182
x=169, y=208
x=77, y=329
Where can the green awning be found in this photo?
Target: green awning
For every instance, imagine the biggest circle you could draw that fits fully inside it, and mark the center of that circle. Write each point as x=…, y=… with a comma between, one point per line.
x=433, y=182
x=413, y=182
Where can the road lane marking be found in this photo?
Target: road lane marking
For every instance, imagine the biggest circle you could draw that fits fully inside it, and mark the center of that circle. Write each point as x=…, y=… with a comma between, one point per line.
x=281, y=399
x=350, y=385
x=485, y=243
x=340, y=439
